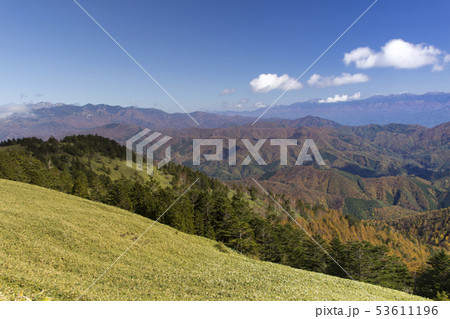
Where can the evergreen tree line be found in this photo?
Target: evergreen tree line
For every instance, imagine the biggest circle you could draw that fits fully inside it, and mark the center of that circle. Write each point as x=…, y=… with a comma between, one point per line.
x=212, y=210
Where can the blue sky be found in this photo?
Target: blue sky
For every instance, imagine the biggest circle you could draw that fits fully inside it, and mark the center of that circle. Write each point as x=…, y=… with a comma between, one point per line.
x=51, y=51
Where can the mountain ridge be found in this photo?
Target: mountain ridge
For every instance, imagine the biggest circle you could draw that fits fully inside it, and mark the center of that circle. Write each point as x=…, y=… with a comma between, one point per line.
x=45, y=119
x=427, y=109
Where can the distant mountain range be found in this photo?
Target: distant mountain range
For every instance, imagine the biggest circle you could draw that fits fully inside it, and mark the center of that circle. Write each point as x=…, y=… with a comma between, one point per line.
x=45, y=119
x=429, y=109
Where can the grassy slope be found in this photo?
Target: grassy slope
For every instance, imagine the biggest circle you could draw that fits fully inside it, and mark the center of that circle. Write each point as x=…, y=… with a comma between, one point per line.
x=58, y=244
x=126, y=171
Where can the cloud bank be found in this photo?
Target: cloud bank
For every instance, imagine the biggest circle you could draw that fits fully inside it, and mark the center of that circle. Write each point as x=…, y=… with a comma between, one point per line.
x=341, y=98
x=398, y=54
x=268, y=82
x=317, y=80
x=10, y=110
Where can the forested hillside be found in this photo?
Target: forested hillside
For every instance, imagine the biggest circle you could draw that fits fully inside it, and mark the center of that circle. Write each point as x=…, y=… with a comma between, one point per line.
x=371, y=172
x=92, y=167
x=431, y=227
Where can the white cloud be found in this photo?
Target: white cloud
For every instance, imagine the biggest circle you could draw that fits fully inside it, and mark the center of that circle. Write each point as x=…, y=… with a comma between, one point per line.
x=227, y=91
x=241, y=103
x=341, y=98
x=345, y=78
x=9, y=110
x=259, y=104
x=244, y=103
x=398, y=54
x=268, y=82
